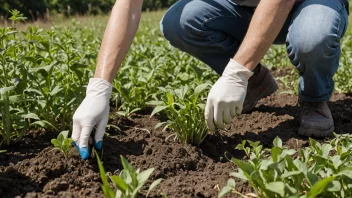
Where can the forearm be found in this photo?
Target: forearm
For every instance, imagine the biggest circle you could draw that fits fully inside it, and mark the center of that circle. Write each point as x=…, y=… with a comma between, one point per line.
x=118, y=37
x=266, y=24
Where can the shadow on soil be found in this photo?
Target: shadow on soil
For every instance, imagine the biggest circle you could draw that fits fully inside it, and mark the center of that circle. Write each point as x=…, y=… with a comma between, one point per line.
x=26, y=148
x=13, y=183
x=223, y=146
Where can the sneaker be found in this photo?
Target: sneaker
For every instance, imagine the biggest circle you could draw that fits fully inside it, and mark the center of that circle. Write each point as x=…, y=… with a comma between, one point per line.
x=315, y=119
x=260, y=85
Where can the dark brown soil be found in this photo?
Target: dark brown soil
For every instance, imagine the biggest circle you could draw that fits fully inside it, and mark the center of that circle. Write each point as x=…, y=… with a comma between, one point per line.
x=31, y=168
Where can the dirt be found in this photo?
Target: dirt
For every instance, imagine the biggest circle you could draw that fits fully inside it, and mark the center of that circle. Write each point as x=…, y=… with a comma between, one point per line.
x=31, y=168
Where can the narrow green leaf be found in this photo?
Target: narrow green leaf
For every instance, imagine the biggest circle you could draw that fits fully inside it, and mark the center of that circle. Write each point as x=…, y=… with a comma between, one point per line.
x=120, y=184
x=6, y=89
x=157, y=109
x=159, y=124
x=153, y=185
x=240, y=175
x=246, y=167
x=107, y=190
x=129, y=171
x=155, y=103
x=144, y=176
x=275, y=152
x=200, y=88
x=291, y=173
x=56, y=90
x=224, y=191
x=277, y=142
x=319, y=187
x=31, y=116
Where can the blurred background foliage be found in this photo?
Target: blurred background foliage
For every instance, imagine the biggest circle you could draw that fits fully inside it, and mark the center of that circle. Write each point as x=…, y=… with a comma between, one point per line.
x=42, y=9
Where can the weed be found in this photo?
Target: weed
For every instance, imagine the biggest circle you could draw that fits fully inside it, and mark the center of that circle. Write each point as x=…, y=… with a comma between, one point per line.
x=129, y=183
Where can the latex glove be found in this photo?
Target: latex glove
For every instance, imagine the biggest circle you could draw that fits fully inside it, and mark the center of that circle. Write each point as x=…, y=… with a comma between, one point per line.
x=226, y=97
x=94, y=110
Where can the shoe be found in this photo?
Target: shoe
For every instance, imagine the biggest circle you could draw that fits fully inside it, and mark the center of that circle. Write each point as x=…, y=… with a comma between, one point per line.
x=315, y=119
x=260, y=85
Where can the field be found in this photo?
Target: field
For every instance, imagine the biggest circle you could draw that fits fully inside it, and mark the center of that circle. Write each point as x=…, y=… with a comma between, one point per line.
x=45, y=73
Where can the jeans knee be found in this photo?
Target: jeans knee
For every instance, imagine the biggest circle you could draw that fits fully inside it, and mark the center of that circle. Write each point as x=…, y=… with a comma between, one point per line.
x=182, y=22
x=311, y=38
x=316, y=44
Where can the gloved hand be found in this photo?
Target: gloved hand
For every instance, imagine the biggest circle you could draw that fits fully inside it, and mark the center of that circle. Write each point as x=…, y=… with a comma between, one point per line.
x=226, y=97
x=94, y=110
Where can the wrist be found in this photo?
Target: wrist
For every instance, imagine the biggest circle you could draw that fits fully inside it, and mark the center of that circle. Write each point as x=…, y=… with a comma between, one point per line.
x=236, y=70
x=99, y=86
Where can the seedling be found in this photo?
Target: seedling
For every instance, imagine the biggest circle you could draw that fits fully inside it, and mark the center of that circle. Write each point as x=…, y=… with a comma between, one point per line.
x=128, y=183
x=184, y=108
x=323, y=170
x=63, y=143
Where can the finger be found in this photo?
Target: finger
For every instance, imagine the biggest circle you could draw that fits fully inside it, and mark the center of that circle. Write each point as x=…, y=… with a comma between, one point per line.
x=239, y=110
x=209, y=115
x=218, y=116
x=83, y=141
x=227, y=116
x=99, y=133
x=233, y=111
x=76, y=130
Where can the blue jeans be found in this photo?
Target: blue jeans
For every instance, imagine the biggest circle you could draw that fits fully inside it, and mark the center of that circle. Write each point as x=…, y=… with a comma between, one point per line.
x=212, y=31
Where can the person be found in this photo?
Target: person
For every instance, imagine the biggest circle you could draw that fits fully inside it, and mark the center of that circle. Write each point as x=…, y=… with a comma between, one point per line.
x=231, y=36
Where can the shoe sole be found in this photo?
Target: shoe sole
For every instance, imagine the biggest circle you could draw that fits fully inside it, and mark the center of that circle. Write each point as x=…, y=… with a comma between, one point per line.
x=268, y=91
x=313, y=132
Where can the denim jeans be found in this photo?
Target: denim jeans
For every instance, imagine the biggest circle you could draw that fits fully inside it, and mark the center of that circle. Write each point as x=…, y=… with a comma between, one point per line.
x=212, y=31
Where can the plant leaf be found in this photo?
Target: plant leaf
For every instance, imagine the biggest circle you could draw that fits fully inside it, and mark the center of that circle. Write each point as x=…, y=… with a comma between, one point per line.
x=277, y=142
x=224, y=191
x=153, y=185
x=31, y=116
x=157, y=109
x=276, y=187
x=319, y=187
x=144, y=176
x=120, y=184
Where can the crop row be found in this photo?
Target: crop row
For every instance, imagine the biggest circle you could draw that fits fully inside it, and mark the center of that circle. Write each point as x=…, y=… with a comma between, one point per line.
x=43, y=80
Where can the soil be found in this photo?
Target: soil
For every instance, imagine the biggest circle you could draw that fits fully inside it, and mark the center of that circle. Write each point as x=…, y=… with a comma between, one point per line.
x=32, y=168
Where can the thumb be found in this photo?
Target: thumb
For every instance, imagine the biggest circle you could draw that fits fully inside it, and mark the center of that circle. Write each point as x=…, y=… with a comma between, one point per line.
x=99, y=133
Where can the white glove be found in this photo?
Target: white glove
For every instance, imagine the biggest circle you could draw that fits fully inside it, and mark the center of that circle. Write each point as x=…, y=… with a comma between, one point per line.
x=226, y=97
x=94, y=110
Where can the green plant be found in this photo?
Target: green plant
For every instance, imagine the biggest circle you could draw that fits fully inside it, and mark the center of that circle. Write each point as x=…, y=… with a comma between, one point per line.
x=323, y=170
x=129, y=183
x=290, y=82
x=184, y=108
x=63, y=143
x=342, y=77
x=16, y=17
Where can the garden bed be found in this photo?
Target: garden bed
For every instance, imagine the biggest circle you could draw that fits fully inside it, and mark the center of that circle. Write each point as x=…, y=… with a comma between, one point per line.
x=30, y=168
